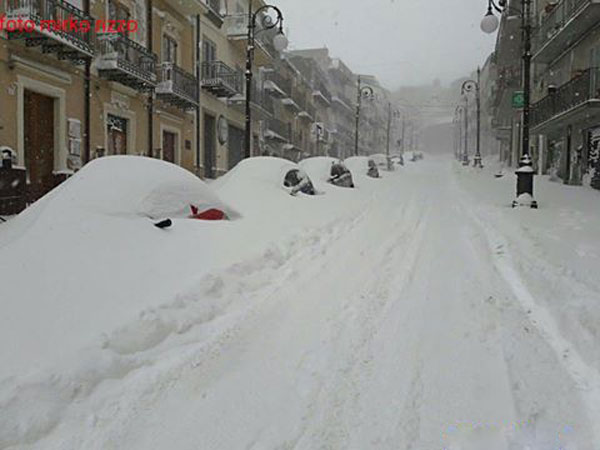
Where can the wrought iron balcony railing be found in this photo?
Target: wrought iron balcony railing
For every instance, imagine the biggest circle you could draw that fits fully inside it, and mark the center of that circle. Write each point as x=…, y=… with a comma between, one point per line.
x=583, y=88
x=262, y=99
x=283, y=85
x=560, y=21
x=320, y=91
x=277, y=129
x=220, y=79
x=126, y=62
x=176, y=86
x=213, y=12
x=237, y=29
x=50, y=34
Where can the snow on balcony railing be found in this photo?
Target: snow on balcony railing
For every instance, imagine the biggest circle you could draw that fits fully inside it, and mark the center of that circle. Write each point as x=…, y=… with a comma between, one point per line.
x=119, y=52
x=581, y=89
x=173, y=79
x=48, y=16
x=557, y=18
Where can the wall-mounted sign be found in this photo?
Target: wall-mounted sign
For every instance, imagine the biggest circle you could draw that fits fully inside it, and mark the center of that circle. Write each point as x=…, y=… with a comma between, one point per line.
x=518, y=100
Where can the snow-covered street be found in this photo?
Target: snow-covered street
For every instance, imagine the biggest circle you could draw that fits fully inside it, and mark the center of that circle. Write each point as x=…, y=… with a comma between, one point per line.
x=421, y=312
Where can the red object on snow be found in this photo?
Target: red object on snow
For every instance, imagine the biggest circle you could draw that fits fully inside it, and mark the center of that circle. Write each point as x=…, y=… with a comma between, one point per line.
x=209, y=214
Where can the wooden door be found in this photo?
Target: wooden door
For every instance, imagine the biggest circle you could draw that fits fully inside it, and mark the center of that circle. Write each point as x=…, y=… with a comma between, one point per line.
x=209, y=146
x=168, y=146
x=39, y=144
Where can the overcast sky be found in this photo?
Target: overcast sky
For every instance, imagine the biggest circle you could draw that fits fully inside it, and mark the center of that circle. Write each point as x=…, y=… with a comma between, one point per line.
x=403, y=42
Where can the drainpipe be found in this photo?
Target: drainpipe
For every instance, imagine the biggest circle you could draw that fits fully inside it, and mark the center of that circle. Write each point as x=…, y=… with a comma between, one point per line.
x=86, y=97
x=151, y=93
x=199, y=80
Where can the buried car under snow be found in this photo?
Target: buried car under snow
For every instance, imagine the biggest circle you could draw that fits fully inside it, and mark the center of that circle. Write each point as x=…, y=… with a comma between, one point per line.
x=383, y=161
x=362, y=165
x=134, y=186
x=329, y=170
x=266, y=172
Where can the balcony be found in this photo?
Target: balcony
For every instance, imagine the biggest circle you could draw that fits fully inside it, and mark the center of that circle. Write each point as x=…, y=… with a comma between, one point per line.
x=296, y=101
x=237, y=32
x=221, y=80
x=307, y=110
x=278, y=86
x=322, y=94
x=294, y=145
x=260, y=102
x=213, y=12
x=572, y=102
x=73, y=45
x=190, y=7
x=177, y=87
x=277, y=130
x=342, y=102
x=126, y=62
x=563, y=26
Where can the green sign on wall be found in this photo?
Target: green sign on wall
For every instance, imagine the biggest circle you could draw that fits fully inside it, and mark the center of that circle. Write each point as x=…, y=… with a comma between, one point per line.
x=518, y=99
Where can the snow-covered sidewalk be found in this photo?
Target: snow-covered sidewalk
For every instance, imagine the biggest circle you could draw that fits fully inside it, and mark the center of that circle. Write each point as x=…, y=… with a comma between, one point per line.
x=418, y=312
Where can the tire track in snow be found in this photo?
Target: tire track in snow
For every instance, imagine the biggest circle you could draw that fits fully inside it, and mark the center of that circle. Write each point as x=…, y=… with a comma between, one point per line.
x=585, y=378
x=338, y=398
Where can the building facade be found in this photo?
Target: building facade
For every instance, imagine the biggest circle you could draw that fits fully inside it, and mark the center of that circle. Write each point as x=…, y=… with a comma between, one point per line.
x=172, y=88
x=565, y=114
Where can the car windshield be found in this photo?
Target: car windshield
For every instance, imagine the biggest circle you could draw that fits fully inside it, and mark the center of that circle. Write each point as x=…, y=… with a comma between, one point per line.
x=299, y=224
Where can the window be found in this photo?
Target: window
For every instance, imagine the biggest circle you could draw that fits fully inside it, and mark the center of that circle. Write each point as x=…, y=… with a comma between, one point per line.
x=169, y=49
x=209, y=50
x=118, y=11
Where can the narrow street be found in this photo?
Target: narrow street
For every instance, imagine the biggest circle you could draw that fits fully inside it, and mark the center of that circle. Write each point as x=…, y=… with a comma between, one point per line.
x=403, y=327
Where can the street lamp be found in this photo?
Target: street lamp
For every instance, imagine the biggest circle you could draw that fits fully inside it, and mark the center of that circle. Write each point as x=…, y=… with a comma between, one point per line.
x=458, y=131
x=365, y=92
x=470, y=86
x=395, y=114
x=525, y=172
x=465, y=112
x=280, y=42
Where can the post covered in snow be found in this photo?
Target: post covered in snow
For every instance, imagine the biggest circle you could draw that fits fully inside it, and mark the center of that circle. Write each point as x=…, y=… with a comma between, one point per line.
x=525, y=174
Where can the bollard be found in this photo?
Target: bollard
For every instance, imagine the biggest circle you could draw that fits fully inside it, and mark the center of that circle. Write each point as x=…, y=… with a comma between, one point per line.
x=525, y=174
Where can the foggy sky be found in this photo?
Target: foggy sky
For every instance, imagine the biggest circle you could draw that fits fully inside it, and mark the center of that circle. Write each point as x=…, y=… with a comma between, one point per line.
x=403, y=42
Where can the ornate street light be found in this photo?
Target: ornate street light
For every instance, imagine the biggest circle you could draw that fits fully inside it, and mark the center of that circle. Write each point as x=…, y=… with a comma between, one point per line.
x=525, y=172
x=467, y=87
x=392, y=113
x=367, y=93
x=458, y=112
x=280, y=42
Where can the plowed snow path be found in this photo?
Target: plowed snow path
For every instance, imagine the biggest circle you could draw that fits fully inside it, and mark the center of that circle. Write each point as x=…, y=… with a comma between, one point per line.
x=400, y=329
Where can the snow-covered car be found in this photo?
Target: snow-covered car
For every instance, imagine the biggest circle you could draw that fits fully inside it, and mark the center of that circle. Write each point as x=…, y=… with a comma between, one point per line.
x=413, y=155
x=382, y=161
x=329, y=170
x=135, y=186
x=267, y=171
x=398, y=160
x=362, y=165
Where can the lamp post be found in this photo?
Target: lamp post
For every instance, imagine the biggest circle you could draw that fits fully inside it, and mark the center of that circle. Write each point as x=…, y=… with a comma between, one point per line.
x=470, y=86
x=280, y=42
x=368, y=93
x=458, y=131
x=391, y=114
x=490, y=24
x=465, y=160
